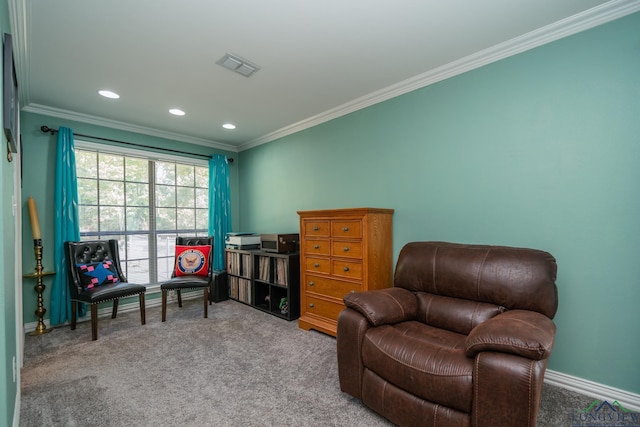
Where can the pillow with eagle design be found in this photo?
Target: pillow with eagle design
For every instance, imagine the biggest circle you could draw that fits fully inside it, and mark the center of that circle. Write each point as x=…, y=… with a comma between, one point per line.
x=192, y=260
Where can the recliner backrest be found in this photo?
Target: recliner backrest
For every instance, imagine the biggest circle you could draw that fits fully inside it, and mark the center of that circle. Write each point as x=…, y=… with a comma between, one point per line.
x=460, y=286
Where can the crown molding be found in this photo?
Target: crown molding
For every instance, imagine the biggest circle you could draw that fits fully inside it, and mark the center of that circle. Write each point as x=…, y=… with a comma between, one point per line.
x=99, y=121
x=572, y=25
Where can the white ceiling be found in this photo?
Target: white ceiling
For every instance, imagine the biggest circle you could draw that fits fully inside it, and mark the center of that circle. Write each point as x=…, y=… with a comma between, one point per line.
x=318, y=59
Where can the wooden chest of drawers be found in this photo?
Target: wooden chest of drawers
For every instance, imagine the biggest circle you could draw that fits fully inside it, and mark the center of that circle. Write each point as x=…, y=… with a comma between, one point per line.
x=342, y=251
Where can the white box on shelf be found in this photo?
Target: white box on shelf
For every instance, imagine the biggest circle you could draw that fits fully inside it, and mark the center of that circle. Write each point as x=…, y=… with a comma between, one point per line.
x=242, y=241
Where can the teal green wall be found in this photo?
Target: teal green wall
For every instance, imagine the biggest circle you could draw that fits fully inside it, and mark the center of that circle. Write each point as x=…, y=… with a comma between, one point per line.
x=8, y=347
x=38, y=182
x=539, y=150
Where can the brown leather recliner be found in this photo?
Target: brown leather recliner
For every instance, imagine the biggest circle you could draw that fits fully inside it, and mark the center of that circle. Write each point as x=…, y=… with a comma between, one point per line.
x=462, y=339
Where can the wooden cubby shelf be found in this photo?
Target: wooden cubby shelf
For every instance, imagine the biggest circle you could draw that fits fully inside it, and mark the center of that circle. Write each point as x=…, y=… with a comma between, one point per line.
x=265, y=280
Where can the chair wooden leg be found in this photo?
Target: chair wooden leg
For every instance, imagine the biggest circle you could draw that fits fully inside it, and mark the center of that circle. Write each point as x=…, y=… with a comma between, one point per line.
x=74, y=309
x=164, y=305
x=114, y=312
x=94, y=322
x=206, y=303
x=179, y=297
x=143, y=314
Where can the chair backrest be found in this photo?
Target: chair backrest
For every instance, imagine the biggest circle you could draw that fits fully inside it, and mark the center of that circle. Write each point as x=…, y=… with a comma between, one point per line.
x=459, y=286
x=196, y=241
x=87, y=252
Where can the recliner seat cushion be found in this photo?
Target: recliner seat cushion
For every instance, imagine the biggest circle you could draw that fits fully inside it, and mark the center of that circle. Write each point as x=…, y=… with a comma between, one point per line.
x=410, y=356
x=432, y=335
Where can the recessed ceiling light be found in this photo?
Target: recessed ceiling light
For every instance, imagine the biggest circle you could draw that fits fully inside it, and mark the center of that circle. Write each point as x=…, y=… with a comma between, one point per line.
x=177, y=112
x=109, y=94
x=229, y=126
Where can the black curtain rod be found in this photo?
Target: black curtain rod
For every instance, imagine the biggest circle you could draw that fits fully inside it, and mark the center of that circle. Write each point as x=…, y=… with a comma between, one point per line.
x=45, y=129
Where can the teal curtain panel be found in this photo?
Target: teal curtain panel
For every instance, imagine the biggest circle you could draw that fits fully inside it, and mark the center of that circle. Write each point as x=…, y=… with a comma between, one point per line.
x=67, y=227
x=219, y=206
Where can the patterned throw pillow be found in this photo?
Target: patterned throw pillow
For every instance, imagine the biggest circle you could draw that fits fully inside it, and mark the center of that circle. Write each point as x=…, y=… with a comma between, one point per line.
x=192, y=260
x=97, y=273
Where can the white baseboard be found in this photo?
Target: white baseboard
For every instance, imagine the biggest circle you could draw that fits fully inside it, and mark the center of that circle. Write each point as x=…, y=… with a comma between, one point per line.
x=16, y=409
x=122, y=308
x=627, y=399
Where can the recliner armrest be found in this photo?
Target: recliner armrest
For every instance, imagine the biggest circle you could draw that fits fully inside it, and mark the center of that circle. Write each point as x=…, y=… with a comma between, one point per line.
x=524, y=333
x=384, y=306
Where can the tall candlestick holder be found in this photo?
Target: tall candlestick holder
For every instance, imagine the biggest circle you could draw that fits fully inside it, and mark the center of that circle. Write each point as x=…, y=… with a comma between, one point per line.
x=39, y=288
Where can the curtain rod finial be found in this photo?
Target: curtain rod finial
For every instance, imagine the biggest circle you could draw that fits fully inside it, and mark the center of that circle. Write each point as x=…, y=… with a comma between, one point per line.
x=45, y=129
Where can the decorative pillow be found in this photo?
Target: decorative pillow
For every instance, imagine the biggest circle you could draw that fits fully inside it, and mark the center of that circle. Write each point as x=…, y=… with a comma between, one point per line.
x=97, y=273
x=192, y=260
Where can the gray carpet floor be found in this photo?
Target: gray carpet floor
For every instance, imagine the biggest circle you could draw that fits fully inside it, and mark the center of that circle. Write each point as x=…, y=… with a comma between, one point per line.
x=239, y=367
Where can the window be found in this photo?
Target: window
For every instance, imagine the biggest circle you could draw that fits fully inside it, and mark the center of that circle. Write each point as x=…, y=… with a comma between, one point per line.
x=142, y=202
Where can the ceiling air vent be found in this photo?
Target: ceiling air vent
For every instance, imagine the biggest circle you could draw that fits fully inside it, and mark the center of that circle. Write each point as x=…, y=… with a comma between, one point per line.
x=237, y=64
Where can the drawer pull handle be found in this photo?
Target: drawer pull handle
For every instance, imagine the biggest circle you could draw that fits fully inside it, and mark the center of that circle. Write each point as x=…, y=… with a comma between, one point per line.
x=316, y=228
x=311, y=283
x=316, y=246
x=311, y=305
x=345, y=229
x=316, y=265
x=346, y=269
x=346, y=248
